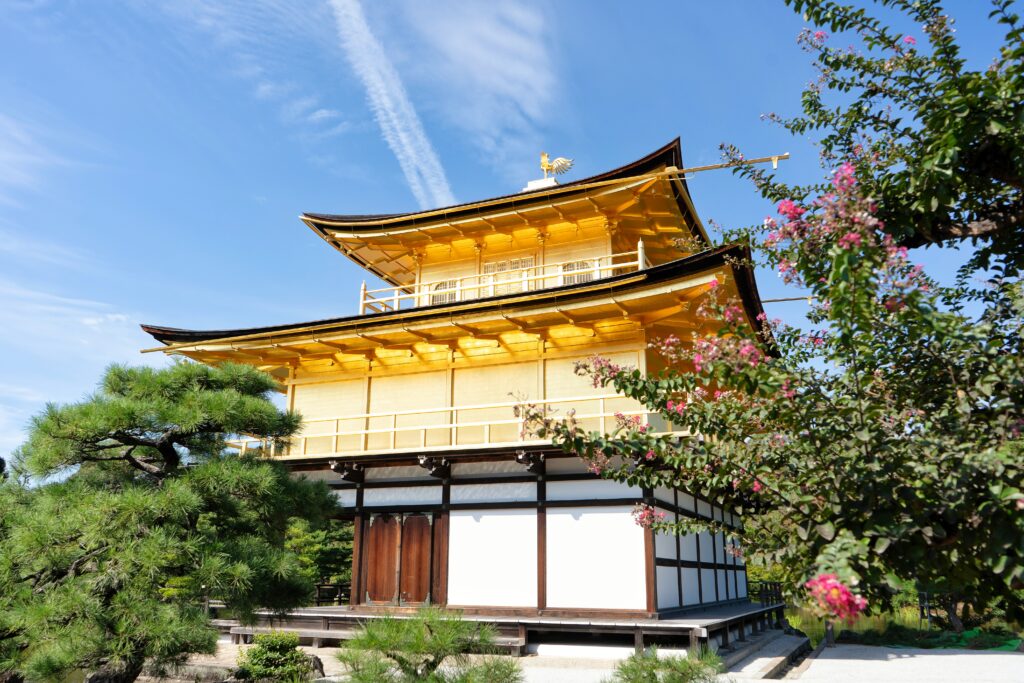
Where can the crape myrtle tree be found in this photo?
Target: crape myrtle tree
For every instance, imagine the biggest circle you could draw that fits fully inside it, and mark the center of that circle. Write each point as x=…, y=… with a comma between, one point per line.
x=109, y=565
x=883, y=443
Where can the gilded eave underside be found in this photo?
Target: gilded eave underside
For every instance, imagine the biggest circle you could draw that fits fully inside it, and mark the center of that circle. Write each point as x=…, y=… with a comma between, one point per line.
x=664, y=296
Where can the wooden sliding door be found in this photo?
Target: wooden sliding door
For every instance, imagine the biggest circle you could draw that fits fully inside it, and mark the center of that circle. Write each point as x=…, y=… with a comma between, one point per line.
x=397, y=559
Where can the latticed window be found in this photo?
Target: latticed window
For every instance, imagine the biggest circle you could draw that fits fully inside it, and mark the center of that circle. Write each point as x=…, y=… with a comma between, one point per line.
x=444, y=292
x=577, y=272
x=507, y=276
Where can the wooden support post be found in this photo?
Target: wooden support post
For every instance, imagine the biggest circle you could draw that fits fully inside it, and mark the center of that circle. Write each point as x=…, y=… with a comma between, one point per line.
x=742, y=637
x=725, y=637
x=695, y=644
x=638, y=640
x=641, y=255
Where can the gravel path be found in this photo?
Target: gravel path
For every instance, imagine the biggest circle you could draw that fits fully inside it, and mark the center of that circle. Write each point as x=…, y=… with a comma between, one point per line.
x=869, y=664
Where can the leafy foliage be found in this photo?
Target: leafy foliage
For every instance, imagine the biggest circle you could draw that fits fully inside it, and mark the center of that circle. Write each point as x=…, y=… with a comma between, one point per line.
x=649, y=667
x=150, y=419
x=882, y=447
x=938, y=146
x=434, y=647
x=274, y=657
x=324, y=551
x=111, y=566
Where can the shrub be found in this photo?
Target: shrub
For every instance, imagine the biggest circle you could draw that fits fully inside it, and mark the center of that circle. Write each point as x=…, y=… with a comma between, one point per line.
x=648, y=667
x=274, y=656
x=433, y=646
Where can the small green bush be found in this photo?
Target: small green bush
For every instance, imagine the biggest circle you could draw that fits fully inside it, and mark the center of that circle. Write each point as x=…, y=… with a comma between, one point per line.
x=276, y=657
x=432, y=647
x=648, y=667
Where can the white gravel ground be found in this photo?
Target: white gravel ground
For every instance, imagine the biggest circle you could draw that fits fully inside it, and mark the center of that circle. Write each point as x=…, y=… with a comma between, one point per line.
x=910, y=665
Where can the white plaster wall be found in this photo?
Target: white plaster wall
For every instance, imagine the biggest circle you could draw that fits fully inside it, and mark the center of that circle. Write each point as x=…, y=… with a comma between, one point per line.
x=564, y=466
x=724, y=592
x=346, y=497
x=595, y=559
x=665, y=494
x=665, y=544
x=492, y=558
x=403, y=495
x=470, y=469
x=494, y=493
x=706, y=548
x=691, y=589
x=687, y=502
x=742, y=584
x=707, y=579
x=668, y=588
x=396, y=473
x=591, y=489
x=688, y=547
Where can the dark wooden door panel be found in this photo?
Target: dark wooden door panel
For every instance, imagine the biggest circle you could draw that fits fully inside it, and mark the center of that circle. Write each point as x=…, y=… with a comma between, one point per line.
x=382, y=551
x=416, y=555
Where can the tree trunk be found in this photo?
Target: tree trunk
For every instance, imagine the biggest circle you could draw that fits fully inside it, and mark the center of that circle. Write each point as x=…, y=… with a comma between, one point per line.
x=121, y=672
x=11, y=677
x=954, y=618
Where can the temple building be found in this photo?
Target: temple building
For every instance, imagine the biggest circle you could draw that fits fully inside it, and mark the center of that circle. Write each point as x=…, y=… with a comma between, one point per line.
x=408, y=405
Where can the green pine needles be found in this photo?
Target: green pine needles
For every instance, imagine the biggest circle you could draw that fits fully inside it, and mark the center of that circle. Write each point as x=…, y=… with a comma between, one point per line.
x=434, y=646
x=107, y=567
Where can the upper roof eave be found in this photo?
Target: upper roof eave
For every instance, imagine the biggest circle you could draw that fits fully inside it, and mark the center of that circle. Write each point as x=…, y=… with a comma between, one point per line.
x=735, y=256
x=668, y=155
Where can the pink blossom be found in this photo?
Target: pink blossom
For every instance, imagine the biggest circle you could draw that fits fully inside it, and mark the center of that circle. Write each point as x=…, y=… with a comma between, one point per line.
x=790, y=209
x=820, y=35
x=713, y=284
x=786, y=390
x=649, y=455
x=732, y=314
x=909, y=40
x=850, y=240
x=646, y=516
x=835, y=598
x=844, y=178
x=756, y=487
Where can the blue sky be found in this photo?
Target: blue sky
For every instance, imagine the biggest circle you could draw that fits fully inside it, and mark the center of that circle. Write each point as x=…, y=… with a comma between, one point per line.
x=154, y=156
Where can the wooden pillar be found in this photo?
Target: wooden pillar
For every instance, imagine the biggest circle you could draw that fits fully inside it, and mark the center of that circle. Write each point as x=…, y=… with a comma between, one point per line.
x=650, y=565
x=358, y=536
x=542, y=539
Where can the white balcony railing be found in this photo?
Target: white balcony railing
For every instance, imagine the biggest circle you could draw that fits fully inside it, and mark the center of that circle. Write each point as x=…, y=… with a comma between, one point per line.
x=481, y=286
x=492, y=424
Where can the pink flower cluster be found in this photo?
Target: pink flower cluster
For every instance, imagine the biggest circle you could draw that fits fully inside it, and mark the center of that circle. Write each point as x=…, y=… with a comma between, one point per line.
x=738, y=353
x=599, y=368
x=835, y=598
x=674, y=407
x=646, y=516
x=850, y=240
x=597, y=463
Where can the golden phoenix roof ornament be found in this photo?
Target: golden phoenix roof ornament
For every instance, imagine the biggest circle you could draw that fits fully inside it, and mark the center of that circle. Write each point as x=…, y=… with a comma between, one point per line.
x=557, y=167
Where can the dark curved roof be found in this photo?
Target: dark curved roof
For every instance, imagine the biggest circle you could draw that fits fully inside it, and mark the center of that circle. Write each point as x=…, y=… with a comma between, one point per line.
x=734, y=255
x=668, y=155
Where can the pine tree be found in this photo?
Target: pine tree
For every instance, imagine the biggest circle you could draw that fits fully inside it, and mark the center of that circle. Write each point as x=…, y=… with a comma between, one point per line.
x=109, y=565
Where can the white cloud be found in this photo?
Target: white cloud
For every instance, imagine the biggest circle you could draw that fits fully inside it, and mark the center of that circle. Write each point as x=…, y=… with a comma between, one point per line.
x=23, y=158
x=323, y=115
x=398, y=120
x=61, y=345
x=494, y=69
x=23, y=249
